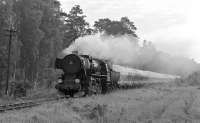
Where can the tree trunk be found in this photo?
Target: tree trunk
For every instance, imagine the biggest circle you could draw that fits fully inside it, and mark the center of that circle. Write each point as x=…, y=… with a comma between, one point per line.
x=36, y=81
x=14, y=71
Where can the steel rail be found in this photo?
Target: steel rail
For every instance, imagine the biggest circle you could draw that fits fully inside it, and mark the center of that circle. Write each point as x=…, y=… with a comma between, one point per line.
x=26, y=104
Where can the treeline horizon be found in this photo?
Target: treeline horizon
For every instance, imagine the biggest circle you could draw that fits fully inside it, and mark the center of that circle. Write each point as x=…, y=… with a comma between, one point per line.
x=43, y=30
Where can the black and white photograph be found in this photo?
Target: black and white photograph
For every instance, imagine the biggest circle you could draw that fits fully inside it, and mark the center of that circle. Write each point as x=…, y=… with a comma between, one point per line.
x=99, y=61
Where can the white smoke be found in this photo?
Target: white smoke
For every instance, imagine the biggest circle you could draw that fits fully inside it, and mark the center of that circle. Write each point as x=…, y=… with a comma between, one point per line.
x=125, y=50
x=120, y=50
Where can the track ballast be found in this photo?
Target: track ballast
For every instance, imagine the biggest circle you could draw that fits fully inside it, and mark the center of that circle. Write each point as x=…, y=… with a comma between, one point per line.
x=27, y=104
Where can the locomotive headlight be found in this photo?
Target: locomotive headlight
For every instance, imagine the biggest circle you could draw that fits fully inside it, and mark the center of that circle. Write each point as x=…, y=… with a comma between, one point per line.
x=59, y=80
x=77, y=81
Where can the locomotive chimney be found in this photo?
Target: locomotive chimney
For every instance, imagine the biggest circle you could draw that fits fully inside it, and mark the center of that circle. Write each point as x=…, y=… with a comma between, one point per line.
x=75, y=52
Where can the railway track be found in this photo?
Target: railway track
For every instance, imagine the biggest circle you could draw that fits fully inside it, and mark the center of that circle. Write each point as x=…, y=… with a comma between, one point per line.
x=32, y=103
x=27, y=104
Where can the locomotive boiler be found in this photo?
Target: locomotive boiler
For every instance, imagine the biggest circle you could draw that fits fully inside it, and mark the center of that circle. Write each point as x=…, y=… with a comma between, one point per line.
x=82, y=73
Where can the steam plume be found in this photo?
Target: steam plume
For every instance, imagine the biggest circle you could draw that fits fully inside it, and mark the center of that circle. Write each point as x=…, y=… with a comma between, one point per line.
x=125, y=50
x=120, y=50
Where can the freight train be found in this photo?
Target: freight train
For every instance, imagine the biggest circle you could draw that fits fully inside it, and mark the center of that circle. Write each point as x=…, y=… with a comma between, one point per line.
x=82, y=73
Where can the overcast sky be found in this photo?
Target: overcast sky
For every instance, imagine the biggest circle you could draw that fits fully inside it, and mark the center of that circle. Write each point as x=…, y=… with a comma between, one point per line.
x=172, y=25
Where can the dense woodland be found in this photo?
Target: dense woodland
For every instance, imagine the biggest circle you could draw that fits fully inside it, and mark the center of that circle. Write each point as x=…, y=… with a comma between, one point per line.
x=43, y=30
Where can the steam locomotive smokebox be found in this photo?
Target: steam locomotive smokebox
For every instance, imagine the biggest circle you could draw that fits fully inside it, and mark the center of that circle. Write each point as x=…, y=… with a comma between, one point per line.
x=71, y=63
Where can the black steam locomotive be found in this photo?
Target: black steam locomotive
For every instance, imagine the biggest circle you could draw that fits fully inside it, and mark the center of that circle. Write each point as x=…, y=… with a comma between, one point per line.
x=82, y=73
